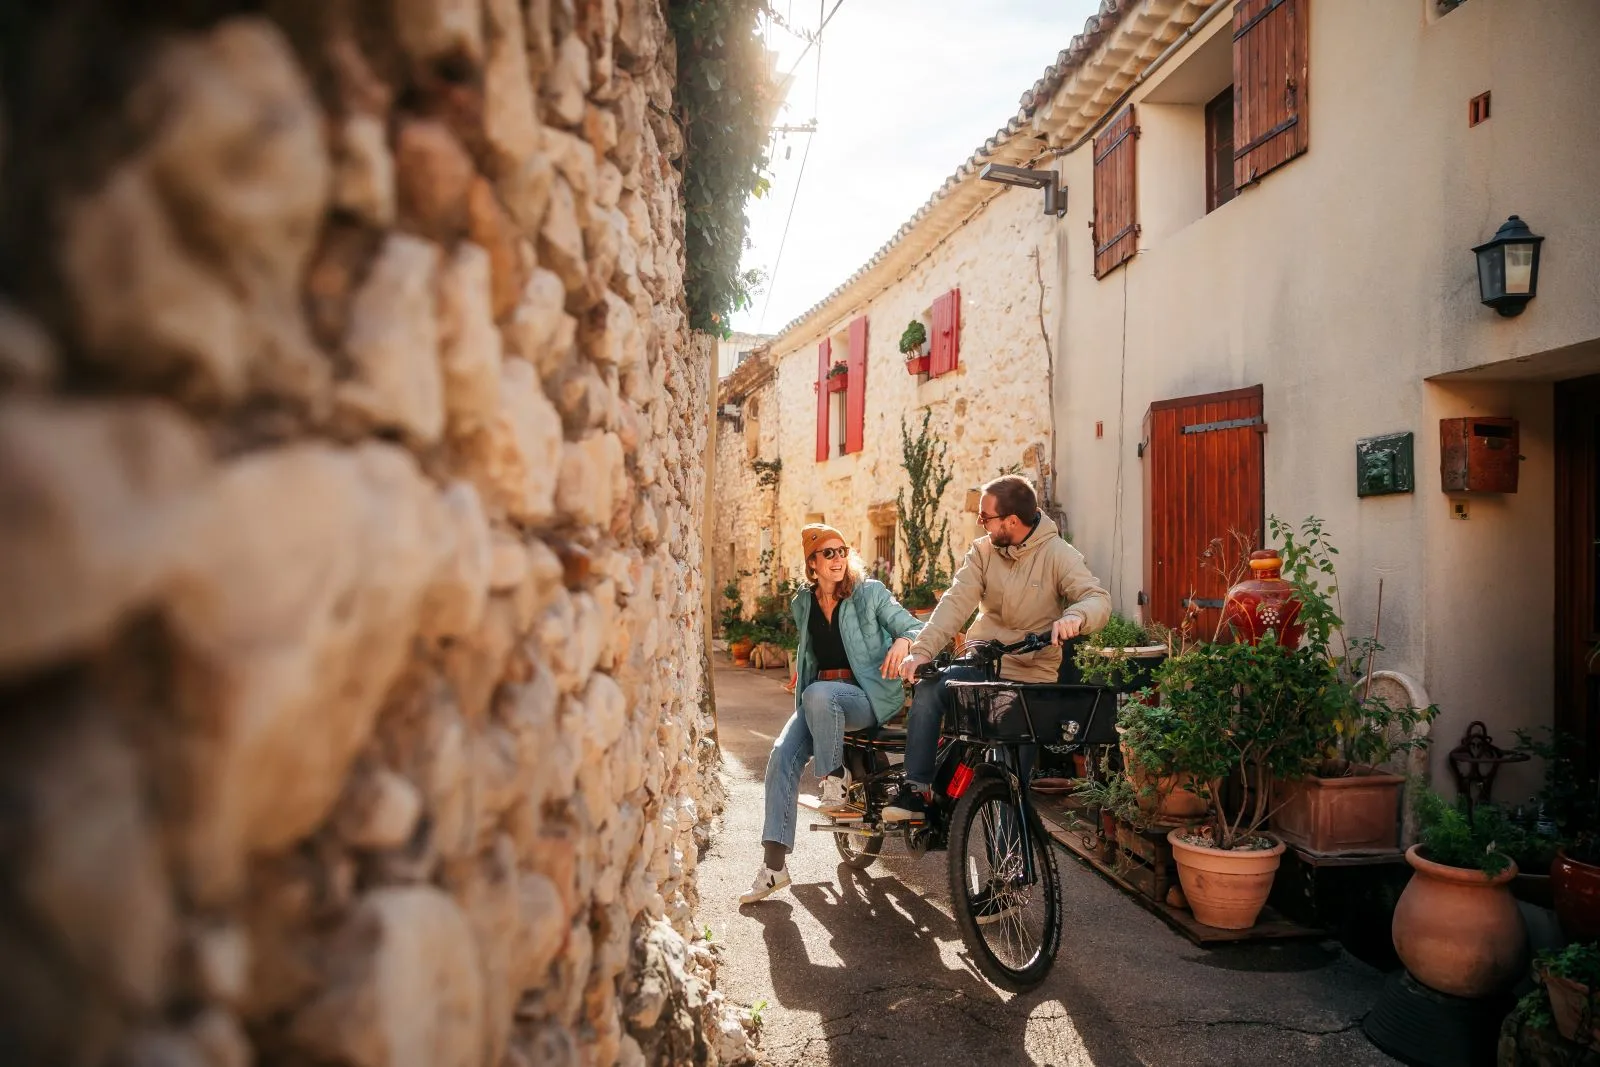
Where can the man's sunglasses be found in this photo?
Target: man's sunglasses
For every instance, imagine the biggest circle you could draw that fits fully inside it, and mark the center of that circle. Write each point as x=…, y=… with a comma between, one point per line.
x=832, y=553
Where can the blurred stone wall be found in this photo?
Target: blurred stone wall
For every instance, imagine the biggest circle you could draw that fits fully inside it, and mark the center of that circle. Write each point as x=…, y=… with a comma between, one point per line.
x=351, y=479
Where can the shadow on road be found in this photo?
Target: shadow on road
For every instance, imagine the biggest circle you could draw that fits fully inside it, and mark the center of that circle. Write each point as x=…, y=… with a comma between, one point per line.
x=900, y=1000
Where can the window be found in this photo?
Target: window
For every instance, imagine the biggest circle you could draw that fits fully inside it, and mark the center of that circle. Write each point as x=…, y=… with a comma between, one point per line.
x=841, y=409
x=1270, y=76
x=944, y=339
x=1219, y=150
x=1115, y=227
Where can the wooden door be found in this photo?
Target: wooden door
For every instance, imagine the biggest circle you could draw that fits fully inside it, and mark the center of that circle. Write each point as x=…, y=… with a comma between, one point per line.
x=1577, y=637
x=1203, y=480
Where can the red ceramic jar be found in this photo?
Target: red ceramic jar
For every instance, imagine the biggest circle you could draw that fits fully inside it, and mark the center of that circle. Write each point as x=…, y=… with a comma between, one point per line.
x=1576, y=889
x=1263, y=602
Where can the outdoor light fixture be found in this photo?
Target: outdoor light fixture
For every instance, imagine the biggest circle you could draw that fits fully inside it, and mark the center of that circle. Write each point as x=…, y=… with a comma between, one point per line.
x=1508, y=267
x=1055, y=197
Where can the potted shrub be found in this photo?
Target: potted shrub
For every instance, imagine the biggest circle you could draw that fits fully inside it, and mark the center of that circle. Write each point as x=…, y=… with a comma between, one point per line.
x=1252, y=711
x=741, y=639
x=1456, y=927
x=838, y=377
x=1114, y=797
x=911, y=342
x=1342, y=801
x=1122, y=655
x=1571, y=979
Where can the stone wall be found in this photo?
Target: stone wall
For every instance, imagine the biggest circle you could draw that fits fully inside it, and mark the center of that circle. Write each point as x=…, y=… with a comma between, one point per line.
x=351, y=451
x=991, y=411
x=743, y=504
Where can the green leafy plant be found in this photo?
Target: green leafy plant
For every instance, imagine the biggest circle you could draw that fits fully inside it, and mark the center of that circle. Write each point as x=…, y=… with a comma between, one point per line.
x=1448, y=835
x=1103, y=655
x=1258, y=711
x=838, y=370
x=1578, y=962
x=914, y=337
x=924, y=458
x=758, y=1012
x=726, y=100
x=1367, y=730
x=1113, y=792
x=767, y=471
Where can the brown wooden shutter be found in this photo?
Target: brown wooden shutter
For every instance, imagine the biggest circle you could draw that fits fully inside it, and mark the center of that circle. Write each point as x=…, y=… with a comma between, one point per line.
x=855, y=395
x=1271, y=50
x=1116, y=217
x=824, y=398
x=1203, y=463
x=944, y=347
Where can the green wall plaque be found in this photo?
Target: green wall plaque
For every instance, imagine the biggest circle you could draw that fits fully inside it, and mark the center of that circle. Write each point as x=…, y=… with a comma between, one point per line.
x=1384, y=465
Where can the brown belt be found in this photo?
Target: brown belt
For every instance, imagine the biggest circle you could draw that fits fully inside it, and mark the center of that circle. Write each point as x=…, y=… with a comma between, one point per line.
x=843, y=675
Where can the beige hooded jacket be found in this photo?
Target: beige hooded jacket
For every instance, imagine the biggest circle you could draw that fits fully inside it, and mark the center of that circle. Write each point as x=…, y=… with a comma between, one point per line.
x=1019, y=589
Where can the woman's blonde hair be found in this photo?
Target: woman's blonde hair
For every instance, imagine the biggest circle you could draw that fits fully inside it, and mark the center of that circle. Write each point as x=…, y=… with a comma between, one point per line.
x=855, y=572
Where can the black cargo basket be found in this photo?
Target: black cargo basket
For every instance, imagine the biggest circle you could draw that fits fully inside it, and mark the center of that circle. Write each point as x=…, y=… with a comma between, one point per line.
x=1023, y=713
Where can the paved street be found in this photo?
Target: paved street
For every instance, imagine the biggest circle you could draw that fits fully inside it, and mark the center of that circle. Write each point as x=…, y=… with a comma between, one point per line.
x=862, y=968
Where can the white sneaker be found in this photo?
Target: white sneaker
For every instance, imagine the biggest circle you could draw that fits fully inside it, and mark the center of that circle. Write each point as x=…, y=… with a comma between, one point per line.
x=834, y=799
x=766, y=883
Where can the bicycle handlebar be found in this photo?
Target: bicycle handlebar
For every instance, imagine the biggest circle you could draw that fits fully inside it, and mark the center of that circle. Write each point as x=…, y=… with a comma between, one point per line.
x=1029, y=643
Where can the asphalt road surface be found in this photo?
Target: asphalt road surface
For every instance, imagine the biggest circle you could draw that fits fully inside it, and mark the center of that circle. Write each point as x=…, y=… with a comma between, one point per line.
x=868, y=968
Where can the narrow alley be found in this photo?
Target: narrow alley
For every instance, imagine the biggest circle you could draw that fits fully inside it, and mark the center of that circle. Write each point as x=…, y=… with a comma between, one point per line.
x=867, y=967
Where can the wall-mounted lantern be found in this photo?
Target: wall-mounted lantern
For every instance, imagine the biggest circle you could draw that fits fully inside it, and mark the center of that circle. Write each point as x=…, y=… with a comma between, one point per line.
x=1508, y=267
x=1055, y=197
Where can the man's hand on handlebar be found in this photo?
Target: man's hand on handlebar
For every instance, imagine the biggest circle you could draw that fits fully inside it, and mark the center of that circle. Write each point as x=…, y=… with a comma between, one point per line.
x=909, y=665
x=1065, y=629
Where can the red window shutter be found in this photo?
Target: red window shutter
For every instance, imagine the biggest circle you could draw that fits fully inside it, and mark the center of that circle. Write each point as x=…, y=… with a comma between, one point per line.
x=855, y=395
x=1271, y=49
x=1116, y=217
x=946, y=333
x=824, y=361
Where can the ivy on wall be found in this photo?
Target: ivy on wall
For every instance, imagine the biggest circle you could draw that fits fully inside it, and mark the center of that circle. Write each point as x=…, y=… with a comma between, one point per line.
x=726, y=102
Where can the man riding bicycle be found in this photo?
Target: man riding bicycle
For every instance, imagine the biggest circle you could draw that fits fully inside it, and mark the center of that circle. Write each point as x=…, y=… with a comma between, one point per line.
x=1018, y=576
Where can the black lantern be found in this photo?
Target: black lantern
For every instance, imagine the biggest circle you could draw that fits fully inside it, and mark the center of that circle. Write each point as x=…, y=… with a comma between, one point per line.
x=1508, y=267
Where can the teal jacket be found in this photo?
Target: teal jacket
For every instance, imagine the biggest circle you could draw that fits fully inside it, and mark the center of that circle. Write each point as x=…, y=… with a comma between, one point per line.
x=870, y=619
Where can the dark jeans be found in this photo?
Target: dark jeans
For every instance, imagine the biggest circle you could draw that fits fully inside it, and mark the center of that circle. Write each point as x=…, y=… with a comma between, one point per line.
x=928, y=703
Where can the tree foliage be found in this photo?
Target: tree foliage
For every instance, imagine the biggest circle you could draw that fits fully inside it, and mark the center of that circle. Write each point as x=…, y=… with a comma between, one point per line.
x=926, y=532
x=726, y=101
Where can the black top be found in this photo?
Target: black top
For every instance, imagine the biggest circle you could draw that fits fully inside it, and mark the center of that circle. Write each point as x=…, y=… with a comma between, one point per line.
x=826, y=644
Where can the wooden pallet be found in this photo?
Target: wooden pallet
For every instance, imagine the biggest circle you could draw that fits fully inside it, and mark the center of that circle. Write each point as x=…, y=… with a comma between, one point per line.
x=1270, y=926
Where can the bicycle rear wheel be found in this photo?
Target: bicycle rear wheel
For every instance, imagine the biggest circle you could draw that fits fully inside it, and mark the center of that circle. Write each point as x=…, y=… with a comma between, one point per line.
x=857, y=850
x=1011, y=925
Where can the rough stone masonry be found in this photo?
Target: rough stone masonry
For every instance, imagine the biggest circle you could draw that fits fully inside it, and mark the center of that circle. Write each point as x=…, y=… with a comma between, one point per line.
x=350, y=566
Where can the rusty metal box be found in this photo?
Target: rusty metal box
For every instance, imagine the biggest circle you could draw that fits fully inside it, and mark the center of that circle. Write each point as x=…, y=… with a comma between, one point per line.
x=1478, y=455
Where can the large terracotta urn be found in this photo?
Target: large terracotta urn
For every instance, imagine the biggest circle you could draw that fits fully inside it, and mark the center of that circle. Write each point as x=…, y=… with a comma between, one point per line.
x=1458, y=931
x=1226, y=888
x=1262, y=602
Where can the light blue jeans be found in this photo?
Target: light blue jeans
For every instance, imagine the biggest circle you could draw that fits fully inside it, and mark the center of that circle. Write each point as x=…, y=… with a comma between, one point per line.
x=828, y=711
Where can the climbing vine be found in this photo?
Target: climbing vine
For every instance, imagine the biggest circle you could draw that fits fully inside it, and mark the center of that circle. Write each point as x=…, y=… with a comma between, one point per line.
x=726, y=102
x=925, y=532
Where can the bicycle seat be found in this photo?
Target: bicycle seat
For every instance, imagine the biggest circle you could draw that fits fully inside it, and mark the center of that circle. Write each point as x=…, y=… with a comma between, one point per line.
x=889, y=732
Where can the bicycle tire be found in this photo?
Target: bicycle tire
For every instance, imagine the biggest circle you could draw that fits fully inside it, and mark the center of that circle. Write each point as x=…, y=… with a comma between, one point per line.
x=969, y=810
x=858, y=858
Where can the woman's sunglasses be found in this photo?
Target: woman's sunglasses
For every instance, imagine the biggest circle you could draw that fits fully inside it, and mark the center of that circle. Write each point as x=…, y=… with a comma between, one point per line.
x=832, y=553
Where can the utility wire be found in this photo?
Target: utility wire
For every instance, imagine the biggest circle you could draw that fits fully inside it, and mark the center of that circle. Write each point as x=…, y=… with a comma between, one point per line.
x=818, y=38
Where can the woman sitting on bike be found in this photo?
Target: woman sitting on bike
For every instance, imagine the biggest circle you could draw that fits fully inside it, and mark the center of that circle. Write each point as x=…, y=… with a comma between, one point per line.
x=853, y=635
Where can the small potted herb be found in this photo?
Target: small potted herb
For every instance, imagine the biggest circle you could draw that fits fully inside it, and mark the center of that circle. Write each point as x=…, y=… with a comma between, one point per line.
x=1120, y=656
x=1571, y=979
x=838, y=377
x=1456, y=927
x=911, y=342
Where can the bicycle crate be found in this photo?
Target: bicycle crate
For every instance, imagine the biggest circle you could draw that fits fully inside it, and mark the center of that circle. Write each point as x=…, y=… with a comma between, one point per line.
x=1028, y=713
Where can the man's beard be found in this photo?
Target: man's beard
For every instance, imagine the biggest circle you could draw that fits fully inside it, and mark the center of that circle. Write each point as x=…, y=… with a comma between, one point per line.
x=1001, y=539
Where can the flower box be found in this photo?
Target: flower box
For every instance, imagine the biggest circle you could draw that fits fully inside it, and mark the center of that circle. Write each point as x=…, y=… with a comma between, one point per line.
x=837, y=383
x=1359, y=812
x=917, y=365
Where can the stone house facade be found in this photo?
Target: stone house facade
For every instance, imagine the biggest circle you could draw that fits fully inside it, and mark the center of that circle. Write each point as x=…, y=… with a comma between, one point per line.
x=352, y=451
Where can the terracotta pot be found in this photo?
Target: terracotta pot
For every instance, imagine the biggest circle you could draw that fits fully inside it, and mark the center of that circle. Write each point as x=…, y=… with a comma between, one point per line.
x=1458, y=931
x=1226, y=888
x=1575, y=886
x=740, y=650
x=917, y=365
x=1170, y=802
x=1359, y=812
x=1263, y=602
x=838, y=383
x=1573, y=1007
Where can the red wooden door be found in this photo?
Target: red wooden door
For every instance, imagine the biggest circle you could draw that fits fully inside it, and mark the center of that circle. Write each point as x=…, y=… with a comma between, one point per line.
x=1577, y=638
x=1202, y=482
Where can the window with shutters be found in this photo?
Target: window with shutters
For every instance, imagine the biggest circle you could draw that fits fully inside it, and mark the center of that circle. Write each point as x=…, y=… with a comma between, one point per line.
x=1271, y=50
x=944, y=334
x=1115, y=225
x=1219, y=150
x=841, y=391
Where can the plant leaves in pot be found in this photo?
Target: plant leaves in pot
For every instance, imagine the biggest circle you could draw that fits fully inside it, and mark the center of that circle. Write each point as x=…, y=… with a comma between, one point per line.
x=1456, y=927
x=1571, y=979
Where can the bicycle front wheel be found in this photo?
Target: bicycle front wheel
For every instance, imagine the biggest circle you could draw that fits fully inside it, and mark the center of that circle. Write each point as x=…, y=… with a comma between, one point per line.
x=1010, y=923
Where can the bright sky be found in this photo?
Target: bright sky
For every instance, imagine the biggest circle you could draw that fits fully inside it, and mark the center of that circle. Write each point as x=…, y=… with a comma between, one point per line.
x=907, y=90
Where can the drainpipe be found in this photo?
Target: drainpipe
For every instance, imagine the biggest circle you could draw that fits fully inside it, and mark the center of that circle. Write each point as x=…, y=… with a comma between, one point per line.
x=1183, y=38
